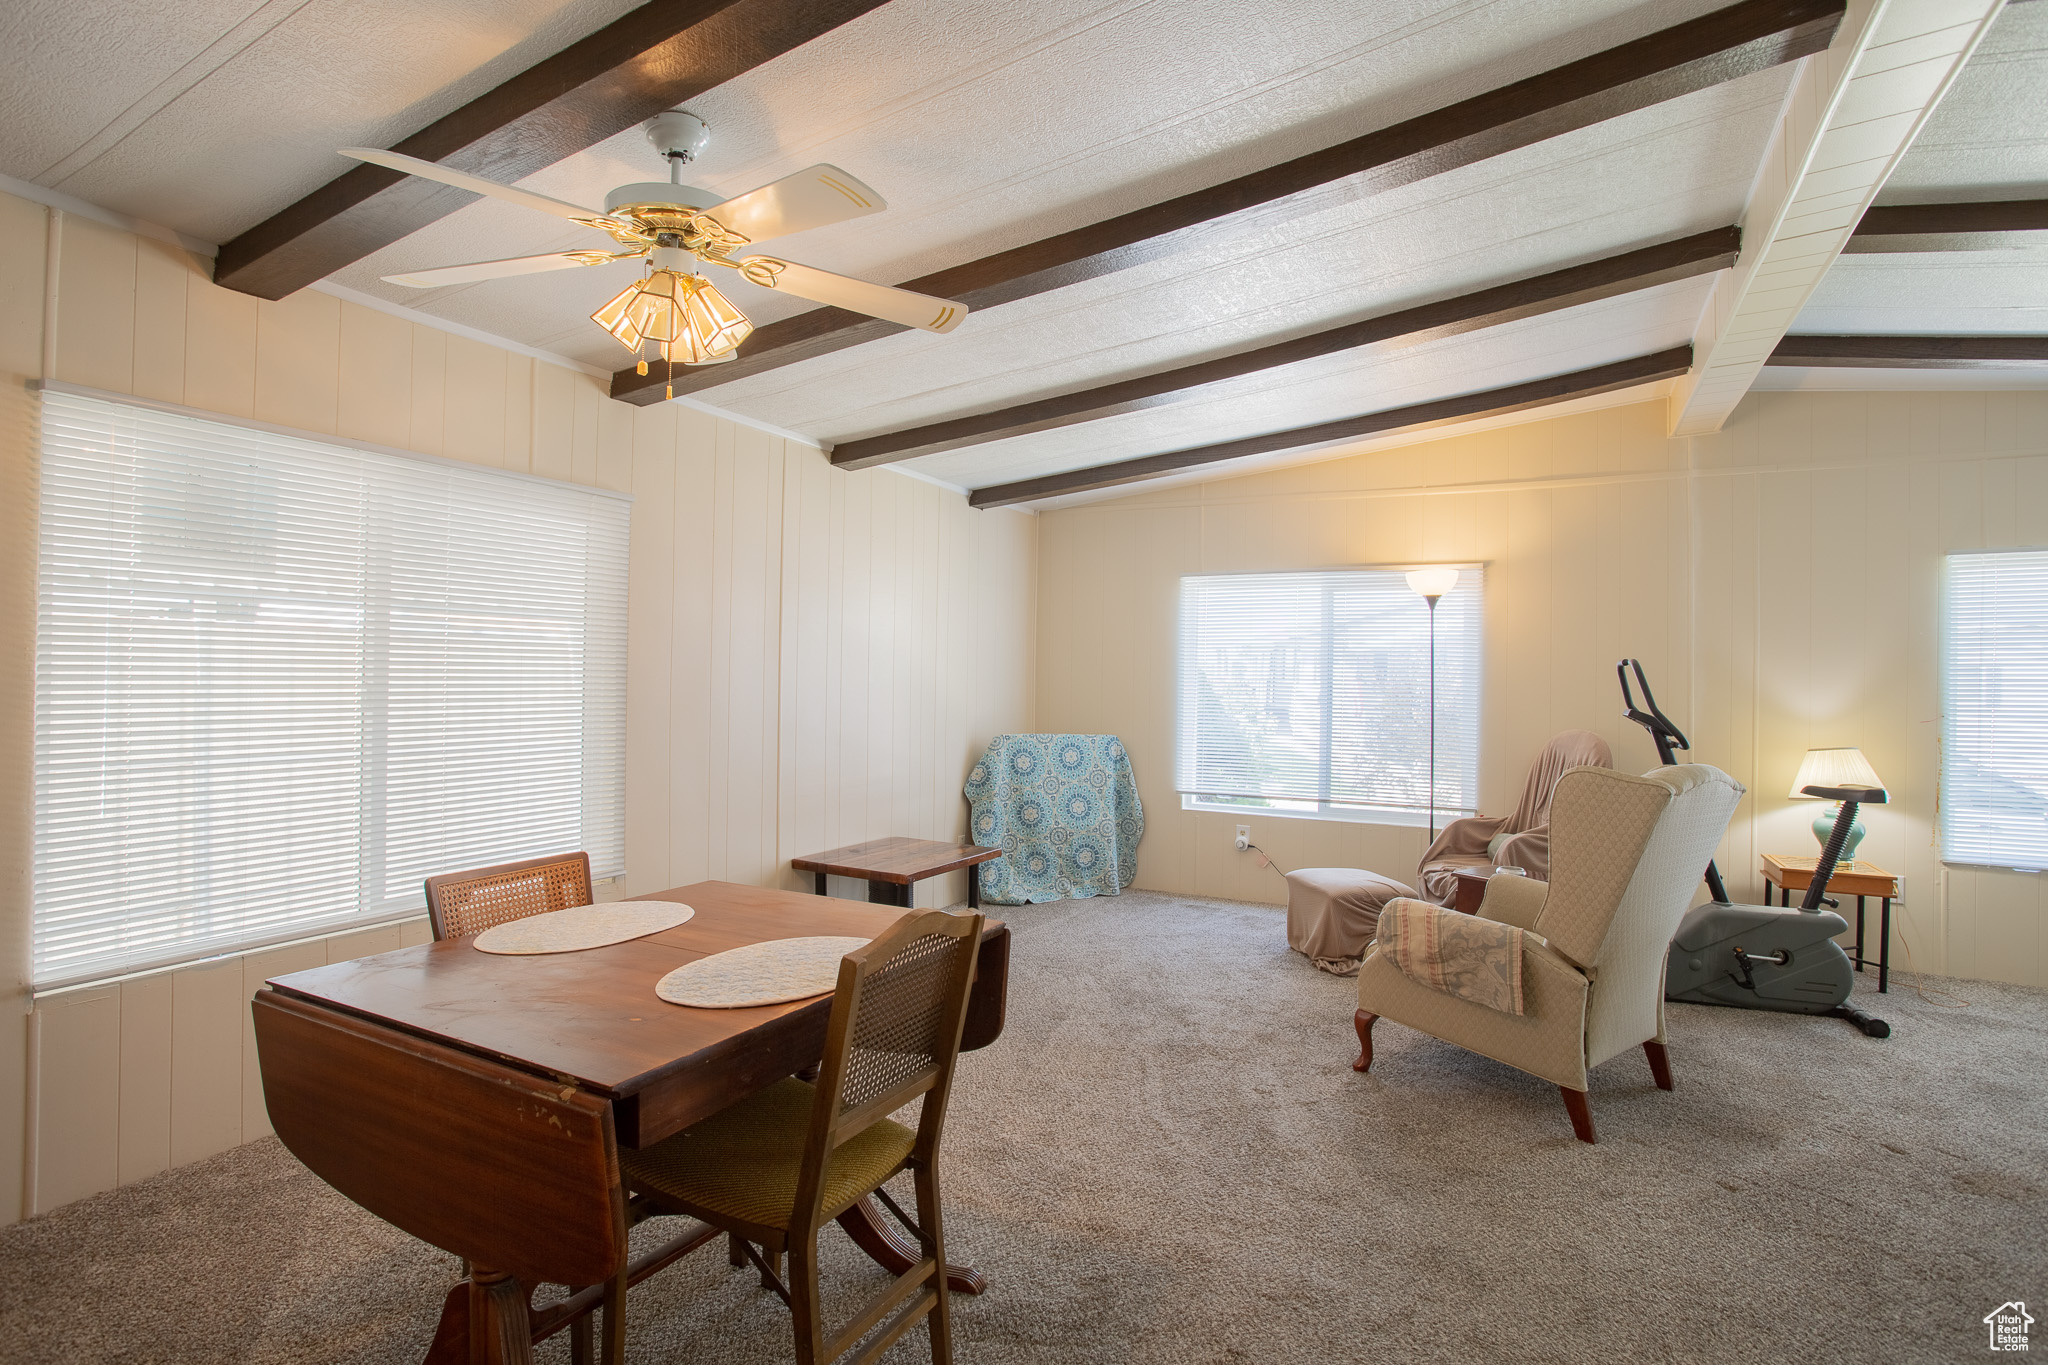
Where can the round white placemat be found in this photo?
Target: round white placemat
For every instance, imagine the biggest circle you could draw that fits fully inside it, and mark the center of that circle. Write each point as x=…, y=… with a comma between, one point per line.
x=771, y=973
x=583, y=926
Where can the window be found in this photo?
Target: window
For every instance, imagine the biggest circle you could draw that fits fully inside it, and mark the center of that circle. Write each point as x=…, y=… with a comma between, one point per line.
x=1994, y=752
x=280, y=681
x=1309, y=693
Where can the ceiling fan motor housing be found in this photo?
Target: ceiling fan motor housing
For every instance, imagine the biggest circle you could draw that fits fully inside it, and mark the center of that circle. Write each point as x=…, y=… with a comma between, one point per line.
x=685, y=199
x=679, y=134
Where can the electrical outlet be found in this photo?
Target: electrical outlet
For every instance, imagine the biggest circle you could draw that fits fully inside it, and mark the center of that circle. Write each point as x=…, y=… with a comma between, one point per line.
x=1244, y=837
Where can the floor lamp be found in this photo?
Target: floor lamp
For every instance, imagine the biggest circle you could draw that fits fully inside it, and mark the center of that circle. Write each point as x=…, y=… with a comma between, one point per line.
x=1432, y=584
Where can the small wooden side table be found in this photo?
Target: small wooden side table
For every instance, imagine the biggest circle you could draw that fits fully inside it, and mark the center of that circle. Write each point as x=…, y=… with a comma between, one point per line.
x=1860, y=880
x=1471, y=890
x=892, y=867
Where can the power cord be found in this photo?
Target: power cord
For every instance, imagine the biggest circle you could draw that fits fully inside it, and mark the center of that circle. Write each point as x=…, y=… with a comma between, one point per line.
x=1921, y=989
x=1265, y=858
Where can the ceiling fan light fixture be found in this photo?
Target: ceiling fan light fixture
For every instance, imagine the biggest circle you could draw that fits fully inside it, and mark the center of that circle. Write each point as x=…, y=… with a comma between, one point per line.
x=690, y=322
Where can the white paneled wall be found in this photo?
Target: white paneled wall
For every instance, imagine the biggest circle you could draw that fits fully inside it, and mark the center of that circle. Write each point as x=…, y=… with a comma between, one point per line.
x=150, y=1073
x=1778, y=579
x=814, y=657
x=1823, y=519
x=1580, y=521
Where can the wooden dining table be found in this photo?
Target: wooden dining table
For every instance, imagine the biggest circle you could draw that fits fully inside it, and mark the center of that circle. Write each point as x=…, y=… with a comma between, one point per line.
x=592, y=1019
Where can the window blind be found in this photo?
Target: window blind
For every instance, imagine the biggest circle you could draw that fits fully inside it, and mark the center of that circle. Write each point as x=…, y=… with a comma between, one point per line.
x=1994, y=754
x=1314, y=687
x=279, y=682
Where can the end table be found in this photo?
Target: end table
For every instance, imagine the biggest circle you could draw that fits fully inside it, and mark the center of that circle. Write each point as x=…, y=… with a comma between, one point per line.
x=893, y=867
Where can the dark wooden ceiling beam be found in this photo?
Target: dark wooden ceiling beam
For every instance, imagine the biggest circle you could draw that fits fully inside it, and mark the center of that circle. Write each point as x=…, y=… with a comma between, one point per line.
x=1911, y=352
x=1625, y=273
x=1728, y=43
x=1561, y=388
x=1986, y=226
x=652, y=59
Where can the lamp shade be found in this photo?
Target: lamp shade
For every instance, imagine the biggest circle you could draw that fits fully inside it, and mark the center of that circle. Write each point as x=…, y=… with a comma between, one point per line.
x=1834, y=768
x=690, y=322
x=1433, y=582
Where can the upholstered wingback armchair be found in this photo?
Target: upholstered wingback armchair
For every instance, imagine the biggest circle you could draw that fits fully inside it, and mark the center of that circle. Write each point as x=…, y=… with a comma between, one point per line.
x=1625, y=855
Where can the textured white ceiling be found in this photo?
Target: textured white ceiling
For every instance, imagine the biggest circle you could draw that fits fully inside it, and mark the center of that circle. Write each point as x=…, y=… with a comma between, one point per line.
x=1672, y=169
x=1015, y=123
x=988, y=124
x=1662, y=173
x=1958, y=292
x=1988, y=139
x=1337, y=386
x=1162, y=488
x=210, y=115
x=1830, y=378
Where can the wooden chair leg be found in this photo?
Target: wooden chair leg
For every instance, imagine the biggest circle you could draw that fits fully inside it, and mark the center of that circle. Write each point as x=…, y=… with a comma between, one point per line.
x=615, y=1319
x=1363, y=1022
x=580, y=1342
x=733, y=1254
x=1582, y=1116
x=1660, y=1063
x=803, y=1298
x=940, y=1320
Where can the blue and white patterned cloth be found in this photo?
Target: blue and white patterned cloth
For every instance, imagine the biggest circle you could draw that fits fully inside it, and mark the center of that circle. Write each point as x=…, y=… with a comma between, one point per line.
x=1064, y=809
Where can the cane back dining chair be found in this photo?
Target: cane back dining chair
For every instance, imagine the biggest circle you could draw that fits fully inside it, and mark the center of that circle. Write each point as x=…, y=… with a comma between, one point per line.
x=516, y=1174
x=774, y=1168
x=462, y=903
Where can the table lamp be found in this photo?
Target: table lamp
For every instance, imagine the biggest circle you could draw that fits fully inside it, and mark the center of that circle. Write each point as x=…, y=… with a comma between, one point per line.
x=1835, y=768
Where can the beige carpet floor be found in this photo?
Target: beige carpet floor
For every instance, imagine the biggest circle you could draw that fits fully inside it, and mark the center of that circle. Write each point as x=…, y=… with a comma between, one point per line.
x=1167, y=1158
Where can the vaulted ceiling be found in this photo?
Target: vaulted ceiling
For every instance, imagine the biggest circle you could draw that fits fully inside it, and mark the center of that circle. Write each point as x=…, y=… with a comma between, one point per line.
x=991, y=126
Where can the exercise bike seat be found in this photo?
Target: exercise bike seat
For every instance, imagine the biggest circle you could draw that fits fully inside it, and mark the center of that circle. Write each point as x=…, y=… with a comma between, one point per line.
x=1862, y=796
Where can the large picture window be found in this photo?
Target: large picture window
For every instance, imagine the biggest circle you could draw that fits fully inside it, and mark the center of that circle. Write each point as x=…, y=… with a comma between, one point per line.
x=280, y=681
x=1308, y=693
x=1994, y=753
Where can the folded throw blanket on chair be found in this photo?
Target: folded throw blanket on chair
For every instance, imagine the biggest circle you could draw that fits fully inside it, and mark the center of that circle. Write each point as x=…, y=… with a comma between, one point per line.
x=1463, y=955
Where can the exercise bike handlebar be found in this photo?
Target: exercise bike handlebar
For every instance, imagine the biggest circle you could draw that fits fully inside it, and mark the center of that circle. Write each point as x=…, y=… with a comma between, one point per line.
x=1668, y=737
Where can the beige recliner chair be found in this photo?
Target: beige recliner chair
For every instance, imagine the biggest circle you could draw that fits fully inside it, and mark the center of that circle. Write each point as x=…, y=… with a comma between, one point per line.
x=1625, y=856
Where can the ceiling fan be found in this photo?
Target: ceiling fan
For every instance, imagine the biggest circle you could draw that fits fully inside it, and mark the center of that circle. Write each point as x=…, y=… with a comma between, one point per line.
x=672, y=313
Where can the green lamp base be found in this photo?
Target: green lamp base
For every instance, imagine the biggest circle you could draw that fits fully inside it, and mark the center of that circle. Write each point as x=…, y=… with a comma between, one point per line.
x=1824, y=825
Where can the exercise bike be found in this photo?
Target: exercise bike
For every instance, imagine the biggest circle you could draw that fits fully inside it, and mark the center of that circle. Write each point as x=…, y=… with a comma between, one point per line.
x=1761, y=957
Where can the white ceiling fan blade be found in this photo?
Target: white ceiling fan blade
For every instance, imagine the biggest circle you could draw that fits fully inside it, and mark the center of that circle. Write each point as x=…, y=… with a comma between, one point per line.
x=876, y=300
x=810, y=198
x=498, y=270
x=428, y=170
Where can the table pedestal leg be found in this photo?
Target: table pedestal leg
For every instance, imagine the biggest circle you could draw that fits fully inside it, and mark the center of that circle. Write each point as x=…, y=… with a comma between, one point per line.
x=451, y=1338
x=893, y=1250
x=490, y=1304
